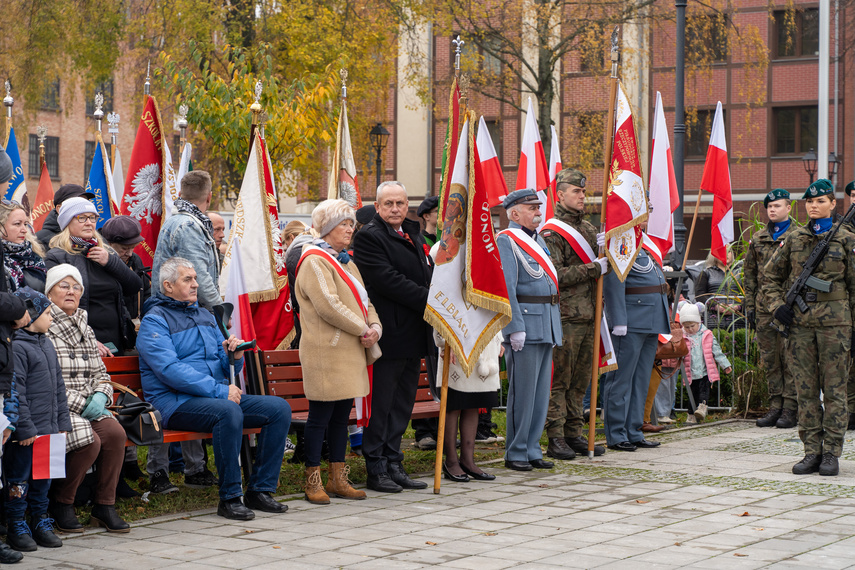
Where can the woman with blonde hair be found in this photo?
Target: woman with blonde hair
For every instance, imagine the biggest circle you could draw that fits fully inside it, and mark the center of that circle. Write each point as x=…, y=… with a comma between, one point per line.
x=106, y=278
x=340, y=334
x=22, y=253
x=292, y=230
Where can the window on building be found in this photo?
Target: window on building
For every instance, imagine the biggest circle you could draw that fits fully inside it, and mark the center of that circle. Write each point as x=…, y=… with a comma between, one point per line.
x=33, y=166
x=50, y=96
x=106, y=89
x=491, y=64
x=88, y=156
x=795, y=129
x=698, y=132
x=589, y=141
x=51, y=156
x=706, y=37
x=797, y=33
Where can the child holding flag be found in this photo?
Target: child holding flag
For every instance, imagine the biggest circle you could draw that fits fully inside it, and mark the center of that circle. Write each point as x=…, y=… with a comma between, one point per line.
x=43, y=409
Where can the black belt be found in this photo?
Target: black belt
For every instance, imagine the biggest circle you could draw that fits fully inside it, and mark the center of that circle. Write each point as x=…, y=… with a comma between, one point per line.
x=645, y=290
x=551, y=299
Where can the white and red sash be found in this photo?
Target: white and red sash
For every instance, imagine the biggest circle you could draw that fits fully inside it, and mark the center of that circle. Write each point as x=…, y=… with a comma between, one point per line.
x=363, y=405
x=532, y=248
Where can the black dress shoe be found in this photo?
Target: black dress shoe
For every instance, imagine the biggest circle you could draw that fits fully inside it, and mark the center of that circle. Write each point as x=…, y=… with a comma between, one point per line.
x=452, y=477
x=262, y=501
x=9, y=556
x=235, y=510
x=382, y=483
x=106, y=516
x=541, y=464
x=580, y=446
x=64, y=518
x=646, y=444
x=623, y=446
x=478, y=476
x=518, y=465
x=399, y=476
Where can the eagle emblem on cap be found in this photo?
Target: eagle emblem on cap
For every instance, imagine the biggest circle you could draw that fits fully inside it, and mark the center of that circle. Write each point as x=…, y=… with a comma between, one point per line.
x=813, y=191
x=771, y=196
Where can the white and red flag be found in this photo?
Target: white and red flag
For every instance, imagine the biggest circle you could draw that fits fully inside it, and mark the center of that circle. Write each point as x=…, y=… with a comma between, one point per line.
x=533, y=172
x=49, y=456
x=256, y=229
x=44, y=200
x=716, y=179
x=663, y=196
x=238, y=295
x=491, y=167
x=626, y=204
x=449, y=149
x=343, y=183
x=554, y=169
x=150, y=174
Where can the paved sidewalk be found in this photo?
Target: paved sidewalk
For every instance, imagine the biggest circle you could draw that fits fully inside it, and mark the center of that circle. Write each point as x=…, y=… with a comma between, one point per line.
x=718, y=496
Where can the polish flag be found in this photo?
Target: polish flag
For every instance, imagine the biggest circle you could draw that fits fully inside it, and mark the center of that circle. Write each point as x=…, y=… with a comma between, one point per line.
x=238, y=295
x=49, y=456
x=663, y=196
x=716, y=179
x=491, y=167
x=44, y=200
x=533, y=172
x=554, y=169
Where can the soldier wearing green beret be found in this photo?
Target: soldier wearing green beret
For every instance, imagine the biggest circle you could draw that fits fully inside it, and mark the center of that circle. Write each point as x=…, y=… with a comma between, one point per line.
x=764, y=243
x=850, y=388
x=577, y=283
x=820, y=339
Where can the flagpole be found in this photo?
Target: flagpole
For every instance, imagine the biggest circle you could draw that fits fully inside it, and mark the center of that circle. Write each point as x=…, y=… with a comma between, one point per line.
x=256, y=112
x=440, y=433
x=8, y=101
x=598, y=313
x=41, y=133
x=113, y=129
x=182, y=129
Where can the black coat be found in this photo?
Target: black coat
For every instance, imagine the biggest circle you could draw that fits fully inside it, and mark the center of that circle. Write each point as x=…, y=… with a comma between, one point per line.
x=49, y=229
x=397, y=276
x=134, y=302
x=12, y=308
x=42, y=401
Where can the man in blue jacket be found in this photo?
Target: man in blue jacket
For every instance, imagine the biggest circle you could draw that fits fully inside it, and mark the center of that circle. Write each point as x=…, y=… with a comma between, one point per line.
x=184, y=369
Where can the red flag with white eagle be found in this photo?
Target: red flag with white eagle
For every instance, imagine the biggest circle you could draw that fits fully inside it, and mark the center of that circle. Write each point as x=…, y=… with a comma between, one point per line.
x=491, y=167
x=626, y=204
x=554, y=169
x=149, y=171
x=533, y=172
x=343, y=183
x=716, y=179
x=256, y=229
x=664, y=198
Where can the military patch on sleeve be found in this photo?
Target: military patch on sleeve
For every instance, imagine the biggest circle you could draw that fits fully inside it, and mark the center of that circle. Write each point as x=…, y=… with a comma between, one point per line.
x=547, y=233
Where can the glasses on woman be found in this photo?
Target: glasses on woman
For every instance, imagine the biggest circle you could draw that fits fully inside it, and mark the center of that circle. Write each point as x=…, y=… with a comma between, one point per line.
x=83, y=218
x=66, y=287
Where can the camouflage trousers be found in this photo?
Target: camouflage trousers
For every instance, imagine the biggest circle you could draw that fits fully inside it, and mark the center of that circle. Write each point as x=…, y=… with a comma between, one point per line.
x=850, y=388
x=570, y=378
x=818, y=358
x=773, y=348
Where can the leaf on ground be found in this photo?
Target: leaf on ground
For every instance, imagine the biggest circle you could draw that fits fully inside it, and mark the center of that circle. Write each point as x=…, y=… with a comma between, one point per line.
x=745, y=514
x=640, y=502
x=739, y=554
x=490, y=533
x=247, y=531
x=277, y=547
x=759, y=528
x=430, y=543
x=678, y=544
x=140, y=509
x=543, y=486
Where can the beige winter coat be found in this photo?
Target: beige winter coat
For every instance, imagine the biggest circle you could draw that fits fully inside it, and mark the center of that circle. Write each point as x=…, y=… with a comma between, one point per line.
x=331, y=352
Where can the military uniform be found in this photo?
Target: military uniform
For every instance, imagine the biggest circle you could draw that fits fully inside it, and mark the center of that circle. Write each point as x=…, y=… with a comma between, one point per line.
x=850, y=388
x=782, y=389
x=819, y=339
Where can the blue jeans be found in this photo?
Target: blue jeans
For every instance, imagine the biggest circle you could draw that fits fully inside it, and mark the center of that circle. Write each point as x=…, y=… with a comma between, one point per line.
x=226, y=420
x=21, y=489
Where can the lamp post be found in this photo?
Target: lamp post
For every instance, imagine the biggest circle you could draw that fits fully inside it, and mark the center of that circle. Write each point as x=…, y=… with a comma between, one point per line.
x=809, y=162
x=833, y=163
x=379, y=136
x=679, y=133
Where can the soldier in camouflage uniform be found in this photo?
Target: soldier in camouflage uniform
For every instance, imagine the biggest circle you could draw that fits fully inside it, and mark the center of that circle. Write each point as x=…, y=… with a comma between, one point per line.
x=577, y=283
x=850, y=388
x=764, y=243
x=820, y=339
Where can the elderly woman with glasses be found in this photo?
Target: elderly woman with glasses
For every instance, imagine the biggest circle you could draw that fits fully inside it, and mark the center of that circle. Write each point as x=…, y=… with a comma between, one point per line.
x=22, y=253
x=106, y=278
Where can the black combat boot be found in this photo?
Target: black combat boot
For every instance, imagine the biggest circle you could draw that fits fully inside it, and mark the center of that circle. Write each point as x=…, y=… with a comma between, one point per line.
x=770, y=419
x=558, y=449
x=789, y=419
x=43, y=532
x=810, y=464
x=829, y=465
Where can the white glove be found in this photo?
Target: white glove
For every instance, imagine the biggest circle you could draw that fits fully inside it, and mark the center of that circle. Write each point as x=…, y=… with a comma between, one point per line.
x=601, y=239
x=619, y=330
x=517, y=340
x=604, y=264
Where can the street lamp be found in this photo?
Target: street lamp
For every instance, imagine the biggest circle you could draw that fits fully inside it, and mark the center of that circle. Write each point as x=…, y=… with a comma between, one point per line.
x=809, y=162
x=379, y=136
x=833, y=163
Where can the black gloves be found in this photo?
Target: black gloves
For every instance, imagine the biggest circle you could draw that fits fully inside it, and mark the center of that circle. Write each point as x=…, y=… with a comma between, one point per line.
x=785, y=315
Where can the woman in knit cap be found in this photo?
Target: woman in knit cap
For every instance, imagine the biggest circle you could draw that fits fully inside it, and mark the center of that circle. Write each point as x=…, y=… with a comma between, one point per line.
x=23, y=254
x=106, y=279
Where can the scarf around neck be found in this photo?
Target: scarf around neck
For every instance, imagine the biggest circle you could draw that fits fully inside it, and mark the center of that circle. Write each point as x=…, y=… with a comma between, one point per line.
x=20, y=256
x=343, y=257
x=190, y=208
x=821, y=226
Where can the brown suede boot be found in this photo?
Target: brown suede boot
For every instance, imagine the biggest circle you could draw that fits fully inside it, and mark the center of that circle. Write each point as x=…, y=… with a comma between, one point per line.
x=339, y=486
x=315, y=487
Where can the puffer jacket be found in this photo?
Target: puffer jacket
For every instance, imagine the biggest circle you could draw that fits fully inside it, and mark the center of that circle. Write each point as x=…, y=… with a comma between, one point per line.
x=12, y=308
x=42, y=401
x=181, y=354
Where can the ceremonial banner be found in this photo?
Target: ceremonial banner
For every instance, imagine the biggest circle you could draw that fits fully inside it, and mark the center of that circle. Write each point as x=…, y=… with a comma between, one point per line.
x=468, y=300
x=449, y=149
x=100, y=182
x=256, y=228
x=118, y=180
x=533, y=172
x=343, y=183
x=626, y=204
x=716, y=179
x=664, y=198
x=17, y=190
x=44, y=200
x=184, y=166
x=237, y=294
x=554, y=169
x=149, y=176
x=491, y=166
x=49, y=456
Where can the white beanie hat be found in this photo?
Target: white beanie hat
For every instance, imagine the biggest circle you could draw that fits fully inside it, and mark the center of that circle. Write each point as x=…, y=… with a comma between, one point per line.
x=59, y=272
x=74, y=207
x=689, y=313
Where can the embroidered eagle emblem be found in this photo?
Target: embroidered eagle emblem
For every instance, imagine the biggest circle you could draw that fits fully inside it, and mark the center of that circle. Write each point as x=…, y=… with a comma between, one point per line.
x=144, y=202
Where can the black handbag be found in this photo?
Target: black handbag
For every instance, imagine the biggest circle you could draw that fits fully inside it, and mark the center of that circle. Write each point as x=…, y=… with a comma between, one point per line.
x=142, y=422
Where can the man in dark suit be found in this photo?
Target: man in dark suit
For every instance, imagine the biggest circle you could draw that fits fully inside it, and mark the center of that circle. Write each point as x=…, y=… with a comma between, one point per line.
x=393, y=261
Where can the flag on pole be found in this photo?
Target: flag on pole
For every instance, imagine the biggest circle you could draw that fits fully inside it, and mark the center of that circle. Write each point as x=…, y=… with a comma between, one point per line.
x=118, y=181
x=17, y=191
x=100, y=182
x=343, y=183
x=256, y=228
x=150, y=176
x=184, y=166
x=449, y=149
x=626, y=204
x=44, y=200
x=664, y=198
x=491, y=166
x=467, y=312
x=533, y=172
x=554, y=169
x=238, y=295
x=716, y=179
x=49, y=456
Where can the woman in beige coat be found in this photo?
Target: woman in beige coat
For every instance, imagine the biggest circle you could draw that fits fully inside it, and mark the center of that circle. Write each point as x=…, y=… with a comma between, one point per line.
x=339, y=341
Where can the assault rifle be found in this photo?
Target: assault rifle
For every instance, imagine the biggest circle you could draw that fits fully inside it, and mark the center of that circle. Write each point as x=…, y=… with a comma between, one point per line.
x=796, y=294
